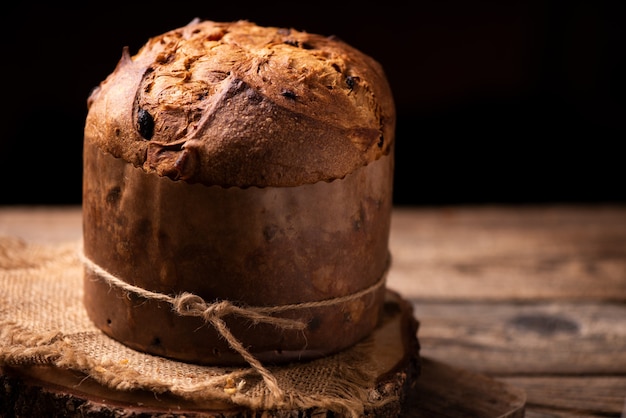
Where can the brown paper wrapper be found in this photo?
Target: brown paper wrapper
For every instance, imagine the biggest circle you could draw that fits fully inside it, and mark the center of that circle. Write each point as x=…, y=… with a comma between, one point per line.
x=253, y=247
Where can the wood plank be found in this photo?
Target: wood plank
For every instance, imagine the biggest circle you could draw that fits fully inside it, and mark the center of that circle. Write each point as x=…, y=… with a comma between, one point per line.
x=588, y=395
x=527, y=338
x=42, y=224
x=521, y=253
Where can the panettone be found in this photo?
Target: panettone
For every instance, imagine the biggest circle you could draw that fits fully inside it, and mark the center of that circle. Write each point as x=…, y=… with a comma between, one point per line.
x=249, y=169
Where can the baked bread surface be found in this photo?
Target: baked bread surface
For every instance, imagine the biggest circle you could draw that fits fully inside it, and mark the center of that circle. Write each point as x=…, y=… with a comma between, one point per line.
x=237, y=104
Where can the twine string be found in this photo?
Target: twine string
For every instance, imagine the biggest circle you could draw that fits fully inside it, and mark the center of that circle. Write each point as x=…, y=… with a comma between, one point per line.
x=189, y=304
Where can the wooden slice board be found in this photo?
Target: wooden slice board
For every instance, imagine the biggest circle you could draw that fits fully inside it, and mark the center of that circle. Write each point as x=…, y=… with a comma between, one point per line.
x=416, y=387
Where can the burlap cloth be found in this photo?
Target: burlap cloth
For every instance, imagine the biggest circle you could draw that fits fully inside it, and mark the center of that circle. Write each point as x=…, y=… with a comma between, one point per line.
x=43, y=321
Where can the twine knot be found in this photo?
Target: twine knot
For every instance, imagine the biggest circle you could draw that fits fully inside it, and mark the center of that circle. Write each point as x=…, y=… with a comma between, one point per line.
x=188, y=304
x=217, y=310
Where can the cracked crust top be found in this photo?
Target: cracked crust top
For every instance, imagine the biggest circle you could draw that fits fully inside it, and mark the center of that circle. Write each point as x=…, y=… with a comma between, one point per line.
x=236, y=104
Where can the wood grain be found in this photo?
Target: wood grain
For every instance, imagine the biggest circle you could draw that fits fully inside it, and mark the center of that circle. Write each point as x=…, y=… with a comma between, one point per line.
x=510, y=253
x=528, y=339
x=601, y=395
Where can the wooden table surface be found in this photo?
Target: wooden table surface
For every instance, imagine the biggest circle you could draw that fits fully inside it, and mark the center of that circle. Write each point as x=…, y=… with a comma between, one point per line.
x=533, y=296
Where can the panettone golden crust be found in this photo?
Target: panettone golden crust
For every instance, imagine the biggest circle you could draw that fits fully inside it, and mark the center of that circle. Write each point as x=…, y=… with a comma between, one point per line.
x=236, y=104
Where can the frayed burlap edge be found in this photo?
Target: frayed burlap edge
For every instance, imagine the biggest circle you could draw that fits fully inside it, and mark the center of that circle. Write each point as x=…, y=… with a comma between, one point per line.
x=43, y=322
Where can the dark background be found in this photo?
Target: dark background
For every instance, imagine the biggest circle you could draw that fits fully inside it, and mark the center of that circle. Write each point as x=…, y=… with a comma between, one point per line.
x=498, y=101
